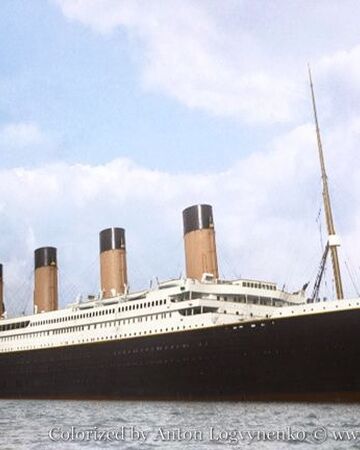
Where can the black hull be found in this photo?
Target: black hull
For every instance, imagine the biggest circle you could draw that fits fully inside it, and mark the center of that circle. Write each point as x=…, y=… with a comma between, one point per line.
x=312, y=358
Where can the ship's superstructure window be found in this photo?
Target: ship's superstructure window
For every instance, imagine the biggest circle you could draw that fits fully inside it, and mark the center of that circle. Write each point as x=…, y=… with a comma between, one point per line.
x=14, y=326
x=250, y=284
x=196, y=310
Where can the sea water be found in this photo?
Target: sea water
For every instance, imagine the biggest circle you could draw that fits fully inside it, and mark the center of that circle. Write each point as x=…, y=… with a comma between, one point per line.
x=43, y=424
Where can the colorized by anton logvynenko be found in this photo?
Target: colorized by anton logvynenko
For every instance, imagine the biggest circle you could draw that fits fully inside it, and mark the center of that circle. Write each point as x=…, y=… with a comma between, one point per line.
x=180, y=224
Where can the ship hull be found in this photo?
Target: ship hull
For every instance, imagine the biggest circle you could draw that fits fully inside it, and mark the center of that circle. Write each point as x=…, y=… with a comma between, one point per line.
x=312, y=357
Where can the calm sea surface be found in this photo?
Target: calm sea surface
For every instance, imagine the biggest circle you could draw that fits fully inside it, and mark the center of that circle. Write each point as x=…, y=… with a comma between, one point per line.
x=176, y=425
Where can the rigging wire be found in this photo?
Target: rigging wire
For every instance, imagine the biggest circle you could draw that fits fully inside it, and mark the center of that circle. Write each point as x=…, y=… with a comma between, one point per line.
x=29, y=298
x=351, y=278
x=352, y=271
x=318, y=220
x=225, y=261
x=70, y=288
x=20, y=297
x=336, y=190
x=328, y=291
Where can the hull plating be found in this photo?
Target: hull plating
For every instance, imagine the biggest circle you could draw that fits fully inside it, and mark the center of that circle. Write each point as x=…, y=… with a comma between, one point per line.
x=311, y=358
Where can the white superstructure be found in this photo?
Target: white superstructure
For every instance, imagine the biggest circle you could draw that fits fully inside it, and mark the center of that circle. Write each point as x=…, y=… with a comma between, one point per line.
x=173, y=306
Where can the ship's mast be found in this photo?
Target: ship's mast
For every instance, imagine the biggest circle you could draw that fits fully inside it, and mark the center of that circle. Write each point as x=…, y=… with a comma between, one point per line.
x=333, y=242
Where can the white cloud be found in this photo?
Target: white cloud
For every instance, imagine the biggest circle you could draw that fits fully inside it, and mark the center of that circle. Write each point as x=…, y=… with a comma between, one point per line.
x=15, y=135
x=344, y=63
x=25, y=144
x=189, y=56
x=242, y=59
x=265, y=208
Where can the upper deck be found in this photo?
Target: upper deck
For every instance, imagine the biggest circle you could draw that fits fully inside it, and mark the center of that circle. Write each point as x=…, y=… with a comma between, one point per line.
x=172, y=306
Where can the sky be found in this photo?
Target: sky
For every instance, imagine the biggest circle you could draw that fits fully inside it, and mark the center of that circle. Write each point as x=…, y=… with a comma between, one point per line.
x=117, y=113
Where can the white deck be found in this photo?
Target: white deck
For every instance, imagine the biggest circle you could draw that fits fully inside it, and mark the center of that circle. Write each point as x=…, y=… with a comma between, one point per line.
x=174, y=306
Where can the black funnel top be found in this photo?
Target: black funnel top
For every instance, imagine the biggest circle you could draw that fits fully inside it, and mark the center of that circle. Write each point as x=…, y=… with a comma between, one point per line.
x=197, y=217
x=112, y=239
x=45, y=256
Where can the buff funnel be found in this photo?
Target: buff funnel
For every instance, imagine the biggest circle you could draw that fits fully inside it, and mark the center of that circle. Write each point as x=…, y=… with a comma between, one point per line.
x=113, y=270
x=46, y=280
x=199, y=240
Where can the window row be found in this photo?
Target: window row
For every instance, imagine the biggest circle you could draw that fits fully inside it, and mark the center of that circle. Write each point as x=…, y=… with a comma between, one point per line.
x=89, y=327
x=100, y=312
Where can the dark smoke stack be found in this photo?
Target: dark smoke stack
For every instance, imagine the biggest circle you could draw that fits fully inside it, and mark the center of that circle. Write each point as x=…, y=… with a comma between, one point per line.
x=113, y=270
x=199, y=238
x=46, y=282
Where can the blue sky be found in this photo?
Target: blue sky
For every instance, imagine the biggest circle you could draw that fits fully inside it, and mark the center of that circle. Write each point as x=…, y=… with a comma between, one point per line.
x=116, y=113
x=84, y=91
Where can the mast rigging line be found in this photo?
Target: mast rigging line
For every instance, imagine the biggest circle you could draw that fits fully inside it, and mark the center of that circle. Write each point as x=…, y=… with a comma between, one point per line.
x=352, y=279
x=316, y=289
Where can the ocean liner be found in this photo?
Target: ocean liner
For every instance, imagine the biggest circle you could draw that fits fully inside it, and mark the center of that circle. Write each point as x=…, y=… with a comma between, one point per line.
x=196, y=337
